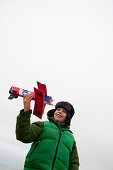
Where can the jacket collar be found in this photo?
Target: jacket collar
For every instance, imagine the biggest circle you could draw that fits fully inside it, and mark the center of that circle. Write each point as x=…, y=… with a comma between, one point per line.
x=60, y=125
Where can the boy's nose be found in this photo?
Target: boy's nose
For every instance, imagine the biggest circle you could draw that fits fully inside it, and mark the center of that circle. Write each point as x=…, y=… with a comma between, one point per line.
x=60, y=111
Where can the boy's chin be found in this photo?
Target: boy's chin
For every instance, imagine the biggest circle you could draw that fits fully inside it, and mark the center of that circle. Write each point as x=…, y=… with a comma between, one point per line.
x=58, y=120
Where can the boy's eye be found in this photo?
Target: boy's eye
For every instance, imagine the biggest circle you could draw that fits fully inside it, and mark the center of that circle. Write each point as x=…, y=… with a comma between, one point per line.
x=64, y=111
x=58, y=109
x=61, y=109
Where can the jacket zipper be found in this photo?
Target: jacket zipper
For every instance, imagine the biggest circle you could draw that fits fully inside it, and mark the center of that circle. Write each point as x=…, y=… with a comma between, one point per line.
x=34, y=149
x=56, y=149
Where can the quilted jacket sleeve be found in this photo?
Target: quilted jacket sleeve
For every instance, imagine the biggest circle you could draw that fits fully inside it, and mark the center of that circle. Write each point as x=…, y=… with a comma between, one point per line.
x=74, y=159
x=25, y=131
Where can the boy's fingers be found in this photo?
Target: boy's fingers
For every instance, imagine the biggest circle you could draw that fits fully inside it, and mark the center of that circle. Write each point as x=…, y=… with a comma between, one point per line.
x=24, y=95
x=28, y=96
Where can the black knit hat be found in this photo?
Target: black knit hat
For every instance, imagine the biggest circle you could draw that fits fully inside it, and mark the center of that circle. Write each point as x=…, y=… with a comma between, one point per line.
x=65, y=105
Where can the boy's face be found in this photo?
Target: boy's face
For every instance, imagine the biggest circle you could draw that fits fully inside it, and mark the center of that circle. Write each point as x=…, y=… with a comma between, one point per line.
x=60, y=115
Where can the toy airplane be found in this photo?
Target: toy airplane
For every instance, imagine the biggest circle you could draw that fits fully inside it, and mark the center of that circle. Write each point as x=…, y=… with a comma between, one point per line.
x=39, y=95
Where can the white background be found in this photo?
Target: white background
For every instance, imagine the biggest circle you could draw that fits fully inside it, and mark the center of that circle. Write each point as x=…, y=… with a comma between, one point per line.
x=67, y=45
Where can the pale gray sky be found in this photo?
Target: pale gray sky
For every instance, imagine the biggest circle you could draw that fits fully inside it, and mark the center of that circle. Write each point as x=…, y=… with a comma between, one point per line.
x=67, y=45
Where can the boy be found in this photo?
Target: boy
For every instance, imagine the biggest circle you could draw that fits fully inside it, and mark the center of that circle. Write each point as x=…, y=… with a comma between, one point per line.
x=53, y=147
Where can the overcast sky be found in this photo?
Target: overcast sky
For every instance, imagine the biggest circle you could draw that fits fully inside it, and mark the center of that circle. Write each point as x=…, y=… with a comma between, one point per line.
x=68, y=45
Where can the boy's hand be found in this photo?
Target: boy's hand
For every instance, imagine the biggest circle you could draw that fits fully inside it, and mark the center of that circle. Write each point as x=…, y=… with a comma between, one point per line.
x=27, y=101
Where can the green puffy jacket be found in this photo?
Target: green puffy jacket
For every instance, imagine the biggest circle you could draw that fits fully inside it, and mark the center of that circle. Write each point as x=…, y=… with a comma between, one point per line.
x=53, y=146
